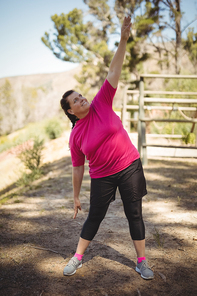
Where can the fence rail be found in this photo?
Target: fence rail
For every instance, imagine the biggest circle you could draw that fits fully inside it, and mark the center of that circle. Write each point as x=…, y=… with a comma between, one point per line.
x=173, y=108
x=141, y=107
x=158, y=92
x=146, y=119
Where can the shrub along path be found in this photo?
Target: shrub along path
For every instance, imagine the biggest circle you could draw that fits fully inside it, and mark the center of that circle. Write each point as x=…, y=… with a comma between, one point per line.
x=38, y=235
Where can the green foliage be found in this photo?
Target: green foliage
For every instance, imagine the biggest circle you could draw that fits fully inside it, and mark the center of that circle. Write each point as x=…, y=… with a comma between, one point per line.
x=158, y=239
x=27, y=178
x=190, y=44
x=7, y=107
x=184, y=85
x=7, y=197
x=31, y=155
x=3, y=140
x=70, y=37
x=76, y=41
x=190, y=138
x=6, y=92
x=145, y=22
x=53, y=128
x=11, y=116
x=171, y=128
x=32, y=130
x=175, y=128
x=136, y=57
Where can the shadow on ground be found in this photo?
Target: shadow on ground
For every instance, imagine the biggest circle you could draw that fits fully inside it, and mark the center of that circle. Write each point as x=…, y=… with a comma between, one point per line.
x=38, y=237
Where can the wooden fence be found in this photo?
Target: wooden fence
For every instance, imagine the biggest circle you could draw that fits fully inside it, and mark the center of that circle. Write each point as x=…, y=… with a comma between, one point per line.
x=142, y=106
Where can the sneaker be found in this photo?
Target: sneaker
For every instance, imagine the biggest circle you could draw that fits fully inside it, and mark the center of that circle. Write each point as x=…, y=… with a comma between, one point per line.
x=144, y=270
x=72, y=266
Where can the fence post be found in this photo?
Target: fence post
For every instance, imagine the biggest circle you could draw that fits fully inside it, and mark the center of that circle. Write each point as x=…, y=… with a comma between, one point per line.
x=141, y=124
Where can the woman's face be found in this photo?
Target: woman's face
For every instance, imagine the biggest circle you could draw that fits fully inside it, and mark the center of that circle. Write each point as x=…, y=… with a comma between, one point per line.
x=79, y=105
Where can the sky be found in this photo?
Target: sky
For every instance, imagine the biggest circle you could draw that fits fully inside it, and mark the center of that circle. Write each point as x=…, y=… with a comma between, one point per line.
x=24, y=22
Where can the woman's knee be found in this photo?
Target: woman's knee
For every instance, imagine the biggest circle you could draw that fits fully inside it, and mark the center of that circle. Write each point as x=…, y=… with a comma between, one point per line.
x=97, y=214
x=92, y=223
x=133, y=210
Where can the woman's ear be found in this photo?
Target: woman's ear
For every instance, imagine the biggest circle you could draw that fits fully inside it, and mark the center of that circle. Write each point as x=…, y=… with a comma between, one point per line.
x=70, y=111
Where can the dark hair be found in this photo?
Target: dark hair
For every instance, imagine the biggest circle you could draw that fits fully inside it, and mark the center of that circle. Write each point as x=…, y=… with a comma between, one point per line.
x=65, y=106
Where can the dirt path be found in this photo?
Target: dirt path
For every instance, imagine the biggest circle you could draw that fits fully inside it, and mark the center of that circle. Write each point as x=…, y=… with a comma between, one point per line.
x=38, y=236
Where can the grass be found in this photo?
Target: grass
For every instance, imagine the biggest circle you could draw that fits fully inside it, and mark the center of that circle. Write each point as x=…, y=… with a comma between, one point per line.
x=158, y=239
x=6, y=198
x=17, y=201
x=179, y=200
x=27, y=177
x=42, y=129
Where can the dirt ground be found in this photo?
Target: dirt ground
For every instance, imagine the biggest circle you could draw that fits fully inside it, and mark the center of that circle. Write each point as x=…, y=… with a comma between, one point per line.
x=38, y=235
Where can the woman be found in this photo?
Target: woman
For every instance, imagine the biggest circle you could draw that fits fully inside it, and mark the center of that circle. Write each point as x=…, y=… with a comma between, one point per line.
x=114, y=162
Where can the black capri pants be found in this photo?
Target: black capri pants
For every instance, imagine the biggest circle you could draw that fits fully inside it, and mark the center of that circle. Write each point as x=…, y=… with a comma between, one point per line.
x=132, y=187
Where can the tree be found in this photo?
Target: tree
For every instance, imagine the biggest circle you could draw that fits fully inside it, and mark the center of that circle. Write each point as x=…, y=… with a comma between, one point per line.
x=70, y=37
x=174, y=9
x=76, y=41
x=7, y=107
x=190, y=44
x=145, y=18
x=173, y=23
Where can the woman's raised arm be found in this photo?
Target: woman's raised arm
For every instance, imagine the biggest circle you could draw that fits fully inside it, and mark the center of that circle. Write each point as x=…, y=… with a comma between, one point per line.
x=117, y=61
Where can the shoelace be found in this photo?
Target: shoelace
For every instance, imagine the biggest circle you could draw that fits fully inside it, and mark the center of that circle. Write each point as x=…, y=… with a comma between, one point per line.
x=72, y=262
x=145, y=265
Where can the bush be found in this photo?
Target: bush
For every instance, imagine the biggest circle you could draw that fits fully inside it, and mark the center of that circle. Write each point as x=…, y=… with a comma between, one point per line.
x=53, y=129
x=190, y=138
x=45, y=129
x=31, y=156
x=21, y=136
x=27, y=179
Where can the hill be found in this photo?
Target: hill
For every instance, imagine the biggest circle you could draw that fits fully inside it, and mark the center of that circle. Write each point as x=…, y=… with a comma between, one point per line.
x=32, y=98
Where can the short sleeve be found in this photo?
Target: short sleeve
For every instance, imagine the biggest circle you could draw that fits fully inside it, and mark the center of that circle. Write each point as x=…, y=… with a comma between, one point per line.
x=105, y=94
x=77, y=156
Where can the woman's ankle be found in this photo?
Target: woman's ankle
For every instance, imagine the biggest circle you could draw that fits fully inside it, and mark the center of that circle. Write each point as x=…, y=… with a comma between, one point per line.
x=79, y=257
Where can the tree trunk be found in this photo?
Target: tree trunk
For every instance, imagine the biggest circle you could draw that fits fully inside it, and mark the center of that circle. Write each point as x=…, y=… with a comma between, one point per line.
x=178, y=36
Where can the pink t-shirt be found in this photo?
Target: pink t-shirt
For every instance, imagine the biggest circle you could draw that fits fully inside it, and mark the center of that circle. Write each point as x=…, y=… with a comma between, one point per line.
x=100, y=137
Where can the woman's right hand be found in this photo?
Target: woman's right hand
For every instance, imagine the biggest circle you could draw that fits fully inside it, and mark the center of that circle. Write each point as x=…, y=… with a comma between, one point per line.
x=126, y=28
x=77, y=206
